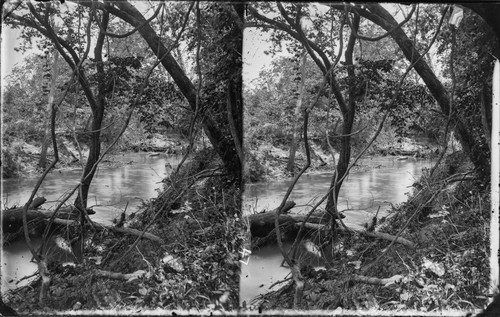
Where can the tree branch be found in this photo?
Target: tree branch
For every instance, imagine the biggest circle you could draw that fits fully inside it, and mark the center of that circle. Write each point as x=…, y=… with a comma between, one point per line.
x=324, y=66
x=377, y=38
x=135, y=29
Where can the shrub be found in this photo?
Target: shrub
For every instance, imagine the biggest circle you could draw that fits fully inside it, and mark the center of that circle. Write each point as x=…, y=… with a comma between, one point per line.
x=10, y=167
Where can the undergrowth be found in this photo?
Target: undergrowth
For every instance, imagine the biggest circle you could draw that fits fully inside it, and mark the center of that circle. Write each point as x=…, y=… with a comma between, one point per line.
x=448, y=269
x=198, y=217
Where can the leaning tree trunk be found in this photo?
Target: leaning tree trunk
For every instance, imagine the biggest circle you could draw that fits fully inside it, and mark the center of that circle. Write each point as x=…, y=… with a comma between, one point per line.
x=224, y=146
x=380, y=16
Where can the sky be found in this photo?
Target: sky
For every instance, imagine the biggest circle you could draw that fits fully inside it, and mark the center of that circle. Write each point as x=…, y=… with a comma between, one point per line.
x=9, y=57
x=254, y=59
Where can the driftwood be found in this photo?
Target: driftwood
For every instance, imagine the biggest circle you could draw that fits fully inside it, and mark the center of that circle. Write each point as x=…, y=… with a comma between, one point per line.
x=376, y=280
x=121, y=276
x=373, y=234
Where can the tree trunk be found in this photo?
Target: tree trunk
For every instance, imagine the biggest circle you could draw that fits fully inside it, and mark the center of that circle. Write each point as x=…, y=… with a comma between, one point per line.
x=97, y=117
x=296, y=117
x=224, y=146
x=381, y=17
x=343, y=163
x=46, y=138
x=347, y=124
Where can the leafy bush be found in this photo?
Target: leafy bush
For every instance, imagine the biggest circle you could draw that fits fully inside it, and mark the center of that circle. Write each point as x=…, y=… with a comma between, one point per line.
x=10, y=167
x=253, y=170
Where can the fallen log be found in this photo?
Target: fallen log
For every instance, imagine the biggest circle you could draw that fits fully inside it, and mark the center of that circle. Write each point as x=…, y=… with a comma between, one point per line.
x=262, y=224
x=13, y=218
x=373, y=234
x=286, y=208
x=37, y=202
x=386, y=236
x=100, y=226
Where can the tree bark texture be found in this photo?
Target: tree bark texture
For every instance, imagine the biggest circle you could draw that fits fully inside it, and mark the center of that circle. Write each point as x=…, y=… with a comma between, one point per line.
x=296, y=116
x=348, y=114
x=46, y=138
x=97, y=118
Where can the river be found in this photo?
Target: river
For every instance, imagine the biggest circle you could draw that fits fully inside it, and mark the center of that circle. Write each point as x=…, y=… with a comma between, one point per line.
x=385, y=180
x=137, y=178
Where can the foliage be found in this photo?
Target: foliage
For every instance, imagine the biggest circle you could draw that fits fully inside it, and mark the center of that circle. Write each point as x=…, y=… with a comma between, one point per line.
x=164, y=108
x=473, y=64
x=10, y=167
x=254, y=171
x=269, y=105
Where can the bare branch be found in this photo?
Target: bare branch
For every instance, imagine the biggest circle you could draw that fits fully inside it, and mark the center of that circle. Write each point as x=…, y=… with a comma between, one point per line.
x=103, y=31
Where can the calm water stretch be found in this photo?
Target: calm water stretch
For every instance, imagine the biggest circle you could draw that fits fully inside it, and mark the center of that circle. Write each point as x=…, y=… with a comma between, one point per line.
x=139, y=178
x=361, y=194
x=112, y=188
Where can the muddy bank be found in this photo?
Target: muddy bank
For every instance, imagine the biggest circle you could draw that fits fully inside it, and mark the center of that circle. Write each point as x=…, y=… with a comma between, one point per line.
x=267, y=162
x=20, y=158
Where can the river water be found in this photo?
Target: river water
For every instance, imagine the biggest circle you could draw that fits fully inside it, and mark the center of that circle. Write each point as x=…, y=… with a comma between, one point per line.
x=379, y=182
x=111, y=190
x=387, y=180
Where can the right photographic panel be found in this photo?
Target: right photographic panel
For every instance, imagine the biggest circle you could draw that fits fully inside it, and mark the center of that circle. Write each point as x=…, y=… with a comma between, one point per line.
x=371, y=157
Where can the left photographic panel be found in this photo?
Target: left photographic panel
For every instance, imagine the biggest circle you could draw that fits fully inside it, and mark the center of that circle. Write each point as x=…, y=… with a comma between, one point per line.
x=121, y=156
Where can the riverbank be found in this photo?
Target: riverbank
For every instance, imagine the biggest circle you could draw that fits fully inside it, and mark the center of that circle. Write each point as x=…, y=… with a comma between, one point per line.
x=267, y=162
x=447, y=220
x=193, y=263
x=21, y=159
